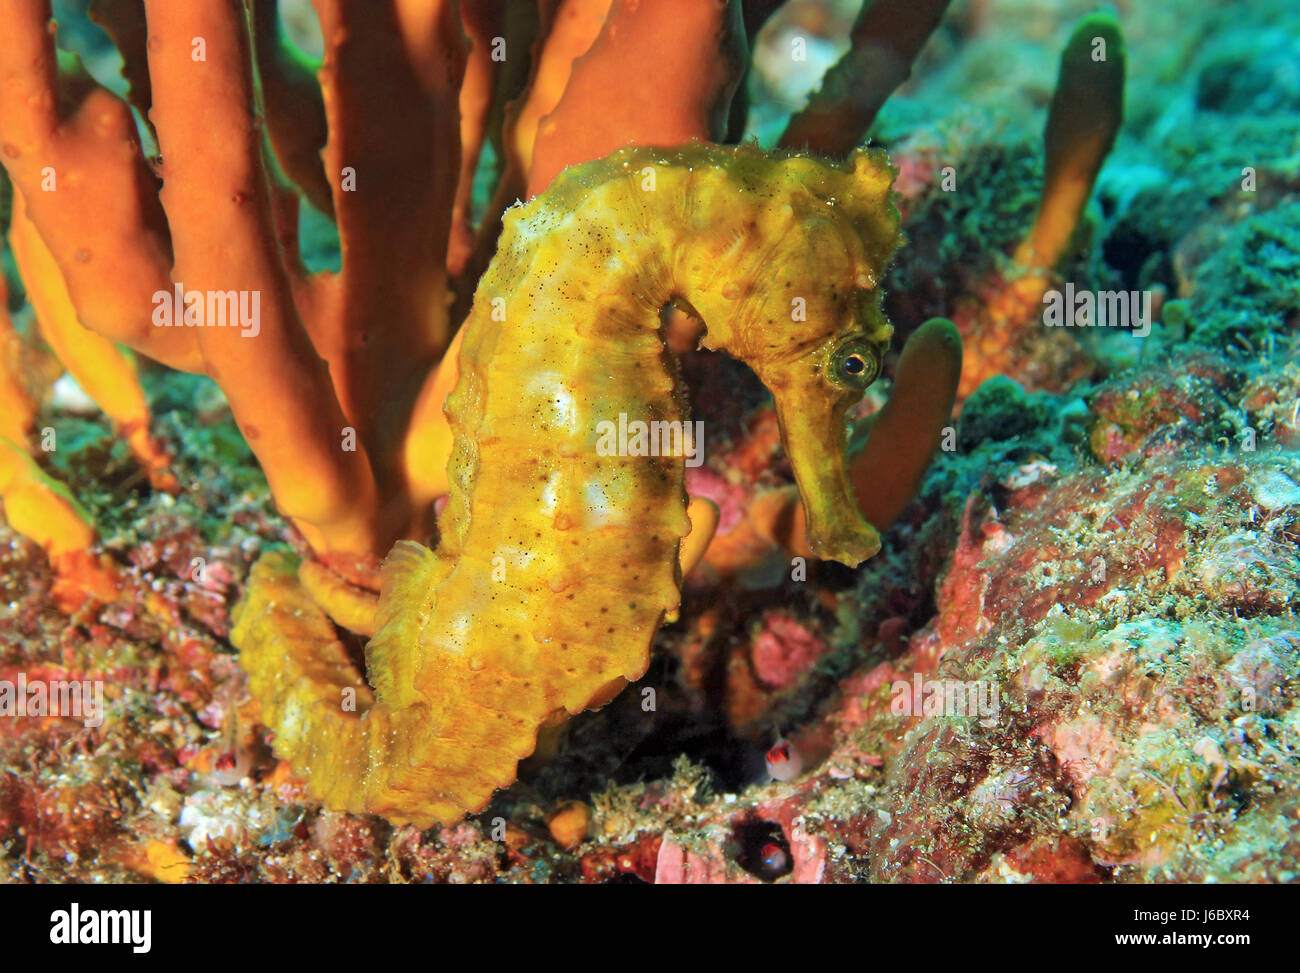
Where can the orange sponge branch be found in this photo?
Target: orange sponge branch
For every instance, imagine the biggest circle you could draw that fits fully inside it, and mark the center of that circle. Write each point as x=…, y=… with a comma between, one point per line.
x=886, y=38
x=218, y=201
x=696, y=49
x=71, y=150
x=1085, y=116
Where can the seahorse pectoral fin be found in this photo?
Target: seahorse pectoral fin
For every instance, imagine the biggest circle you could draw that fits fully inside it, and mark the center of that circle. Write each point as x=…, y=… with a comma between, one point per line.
x=887, y=471
x=812, y=429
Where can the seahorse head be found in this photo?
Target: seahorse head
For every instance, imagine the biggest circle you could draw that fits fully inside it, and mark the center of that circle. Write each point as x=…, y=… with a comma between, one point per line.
x=799, y=301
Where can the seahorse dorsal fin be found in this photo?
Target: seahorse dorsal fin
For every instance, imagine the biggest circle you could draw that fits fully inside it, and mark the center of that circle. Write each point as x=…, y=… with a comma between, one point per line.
x=410, y=573
x=405, y=565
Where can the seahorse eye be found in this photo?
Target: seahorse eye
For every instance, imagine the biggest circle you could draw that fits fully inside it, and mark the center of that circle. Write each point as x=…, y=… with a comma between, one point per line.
x=855, y=363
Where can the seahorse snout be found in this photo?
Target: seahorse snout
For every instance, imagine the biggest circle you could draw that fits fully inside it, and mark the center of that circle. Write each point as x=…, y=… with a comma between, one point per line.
x=812, y=430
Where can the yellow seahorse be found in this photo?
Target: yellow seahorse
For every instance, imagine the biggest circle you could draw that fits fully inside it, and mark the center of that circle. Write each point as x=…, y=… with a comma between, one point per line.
x=555, y=563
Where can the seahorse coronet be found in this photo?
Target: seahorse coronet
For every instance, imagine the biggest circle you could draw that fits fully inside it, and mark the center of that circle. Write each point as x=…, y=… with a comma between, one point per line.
x=557, y=558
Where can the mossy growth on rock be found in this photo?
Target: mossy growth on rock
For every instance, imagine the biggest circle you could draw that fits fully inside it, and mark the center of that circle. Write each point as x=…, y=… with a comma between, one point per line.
x=1000, y=410
x=1248, y=292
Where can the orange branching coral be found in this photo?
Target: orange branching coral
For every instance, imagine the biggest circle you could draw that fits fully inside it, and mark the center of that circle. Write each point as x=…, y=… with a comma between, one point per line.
x=17, y=404
x=295, y=110
x=485, y=28
x=577, y=25
x=100, y=216
x=1003, y=330
x=34, y=504
x=40, y=507
x=696, y=51
x=907, y=430
x=100, y=367
x=324, y=381
x=220, y=211
x=559, y=550
x=579, y=106
x=1084, y=119
x=123, y=21
x=886, y=38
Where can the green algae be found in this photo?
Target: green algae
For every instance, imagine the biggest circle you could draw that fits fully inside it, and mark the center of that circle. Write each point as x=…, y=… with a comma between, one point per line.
x=1249, y=291
x=999, y=411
